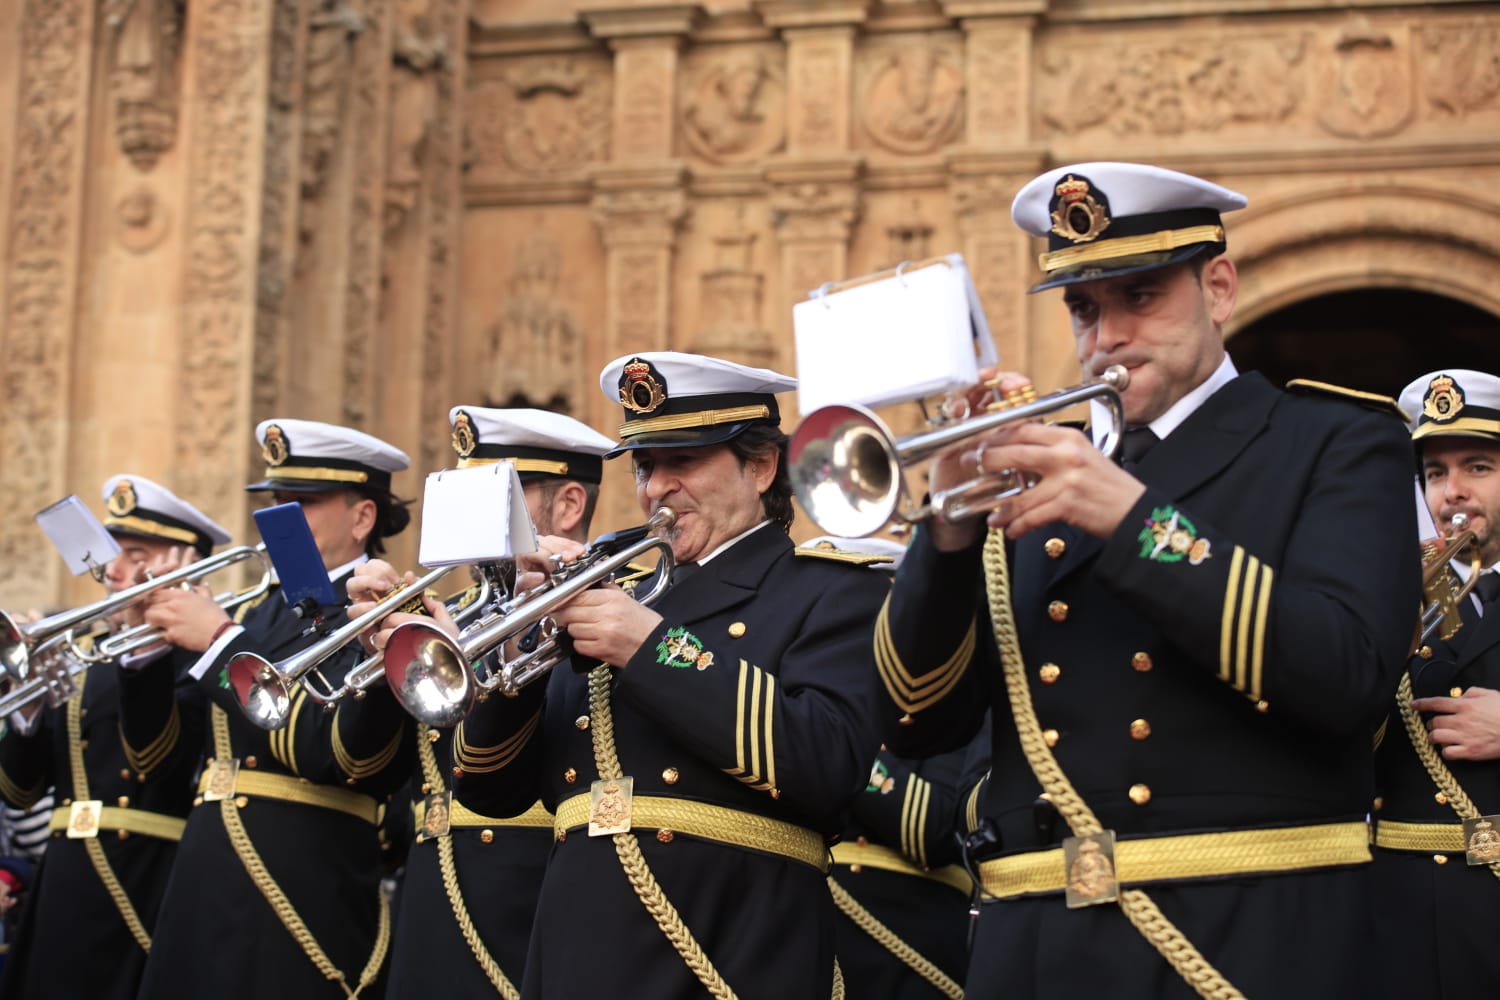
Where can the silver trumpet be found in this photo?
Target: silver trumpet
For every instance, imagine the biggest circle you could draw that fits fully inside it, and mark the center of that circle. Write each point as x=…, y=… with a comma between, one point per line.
x=41, y=659
x=429, y=671
x=848, y=468
x=264, y=689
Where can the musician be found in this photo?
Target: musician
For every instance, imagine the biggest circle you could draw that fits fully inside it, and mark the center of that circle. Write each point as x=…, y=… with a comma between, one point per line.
x=714, y=741
x=1205, y=637
x=90, y=915
x=276, y=887
x=1435, y=873
x=495, y=863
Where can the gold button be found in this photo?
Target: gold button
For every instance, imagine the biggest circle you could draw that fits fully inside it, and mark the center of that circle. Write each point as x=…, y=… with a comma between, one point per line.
x=1051, y=736
x=250, y=761
x=1425, y=652
x=665, y=836
x=125, y=773
x=122, y=834
x=1378, y=804
x=1140, y=729
x=1262, y=706
x=1441, y=798
x=241, y=801
x=350, y=782
x=83, y=744
x=570, y=775
x=906, y=720
x=1049, y=673
x=426, y=788
x=1140, y=794
x=1058, y=611
x=862, y=840
x=124, y=801
x=197, y=800
x=775, y=793
x=736, y=629
x=1141, y=662
x=458, y=772
x=1055, y=547
x=141, y=778
x=670, y=776
x=562, y=835
x=1455, y=692
x=67, y=802
x=433, y=736
x=582, y=722
x=1441, y=859
x=487, y=836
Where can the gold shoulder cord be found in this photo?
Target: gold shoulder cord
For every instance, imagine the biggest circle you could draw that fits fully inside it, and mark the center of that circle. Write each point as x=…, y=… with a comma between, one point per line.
x=285, y=912
x=1437, y=770
x=1139, y=908
x=891, y=942
x=91, y=844
x=628, y=848
x=492, y=970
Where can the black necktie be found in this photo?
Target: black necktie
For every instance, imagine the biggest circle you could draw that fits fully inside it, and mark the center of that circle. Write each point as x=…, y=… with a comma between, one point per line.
x=1488, y=588
x=682, y=571
x=1134, y=445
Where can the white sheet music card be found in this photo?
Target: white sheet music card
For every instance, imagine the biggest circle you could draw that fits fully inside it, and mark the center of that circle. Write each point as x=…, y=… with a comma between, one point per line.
x=474, y=515
x=78, y=536
x=893, y=337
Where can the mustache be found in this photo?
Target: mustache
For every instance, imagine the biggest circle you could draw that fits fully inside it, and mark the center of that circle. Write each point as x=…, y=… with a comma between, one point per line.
x=1097, y=363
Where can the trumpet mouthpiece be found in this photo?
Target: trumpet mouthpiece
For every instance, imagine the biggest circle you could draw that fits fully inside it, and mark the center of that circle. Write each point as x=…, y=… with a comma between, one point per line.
x=1117, y=376
x=662, y=519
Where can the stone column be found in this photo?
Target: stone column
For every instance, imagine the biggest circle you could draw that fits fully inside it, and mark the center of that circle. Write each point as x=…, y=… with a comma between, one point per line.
x=48, y=66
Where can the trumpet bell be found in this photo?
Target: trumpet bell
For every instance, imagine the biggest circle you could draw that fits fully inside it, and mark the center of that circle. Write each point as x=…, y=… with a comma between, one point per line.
x=263, y=693
x=843, y=464
x=14, y=648
x=429, y=675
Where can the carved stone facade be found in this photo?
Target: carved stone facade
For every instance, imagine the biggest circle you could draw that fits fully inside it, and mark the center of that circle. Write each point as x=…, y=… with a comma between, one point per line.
x=368, y=211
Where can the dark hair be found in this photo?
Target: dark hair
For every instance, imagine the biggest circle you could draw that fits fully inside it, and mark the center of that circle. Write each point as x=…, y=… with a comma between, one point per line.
x=759, y=442
x=391, y=516
x=590, y=498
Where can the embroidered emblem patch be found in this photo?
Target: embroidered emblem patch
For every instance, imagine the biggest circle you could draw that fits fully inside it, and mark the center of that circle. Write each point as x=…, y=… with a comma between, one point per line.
x=880, y=779
x=1169, y=537
x=682, y=649
x=1444, y=400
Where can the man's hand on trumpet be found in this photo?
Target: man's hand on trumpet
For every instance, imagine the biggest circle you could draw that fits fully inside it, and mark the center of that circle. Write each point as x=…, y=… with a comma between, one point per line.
x=188, y=619
x=604, y=622
x=375, y=579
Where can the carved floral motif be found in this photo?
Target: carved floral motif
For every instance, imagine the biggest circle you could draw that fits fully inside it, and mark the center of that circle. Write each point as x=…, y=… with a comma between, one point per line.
x=914, y=98
x=1460, y=72
x=734, y=106
x=1191, y=84
x=1365, y=85
x=540, y=115
x=536, y=345
x=146, y=36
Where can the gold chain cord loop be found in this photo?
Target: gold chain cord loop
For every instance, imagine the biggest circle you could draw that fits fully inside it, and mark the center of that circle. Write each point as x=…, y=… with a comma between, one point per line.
x=285, y=911
x=1138, y=907
x=1437, y=769
x=891, y=942
x=487, y=962
x=95, y=849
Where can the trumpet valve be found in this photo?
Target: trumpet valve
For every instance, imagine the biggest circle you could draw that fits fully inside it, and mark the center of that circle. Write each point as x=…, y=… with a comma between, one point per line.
x=1019, y=396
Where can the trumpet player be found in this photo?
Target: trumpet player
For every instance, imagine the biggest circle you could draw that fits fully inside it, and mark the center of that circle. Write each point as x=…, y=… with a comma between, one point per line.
x=1197, y=644
x=702, y=749
x=495, y=862
x=1437, y=817
x=122, y=791
x=276, y=887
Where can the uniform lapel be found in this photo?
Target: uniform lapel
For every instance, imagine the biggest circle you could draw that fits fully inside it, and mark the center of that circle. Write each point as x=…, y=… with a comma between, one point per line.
x=729, y=579
x=1486, y=634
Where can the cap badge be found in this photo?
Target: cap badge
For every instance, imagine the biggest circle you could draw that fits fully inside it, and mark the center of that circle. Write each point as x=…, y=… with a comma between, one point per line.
x=275, y=448
x=464, y=441
x=1077, y=216
x=642, y=388
x=122, y=501
x=1444, y=401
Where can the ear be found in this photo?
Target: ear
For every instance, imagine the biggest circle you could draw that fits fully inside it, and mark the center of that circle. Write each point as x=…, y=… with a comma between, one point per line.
x=363, y=512
x=763, y=469
x=1221, y=283
x=568, y=505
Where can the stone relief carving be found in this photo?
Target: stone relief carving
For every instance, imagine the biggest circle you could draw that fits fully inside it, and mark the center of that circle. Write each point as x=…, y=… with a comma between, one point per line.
x=142, y=220
x=816, y=87
x=1365, y=85
x=909, y=240
x=914, y=98
x=646, y=82
x=536, y=346
x=419, y=58
x=540, y=116
x=730, y=295
x=1190, y=85
x=815, y=209
x=331, y=31
x=51, y=110
x=1460, y=73
x=734, y=106
x=995, y=71
x=145, y=40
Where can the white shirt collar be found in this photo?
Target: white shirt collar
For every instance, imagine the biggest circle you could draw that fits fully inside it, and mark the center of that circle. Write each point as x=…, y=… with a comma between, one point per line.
x=1180, y=410
x=732, y=541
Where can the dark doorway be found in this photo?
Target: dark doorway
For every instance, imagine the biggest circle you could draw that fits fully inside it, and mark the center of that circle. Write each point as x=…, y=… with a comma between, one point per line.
x=1376, y=340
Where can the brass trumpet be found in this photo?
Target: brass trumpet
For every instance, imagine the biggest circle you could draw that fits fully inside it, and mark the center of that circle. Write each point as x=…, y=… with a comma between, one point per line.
x=1440, y=597
x=848, y=468
x=42, y=658
x=429, y=671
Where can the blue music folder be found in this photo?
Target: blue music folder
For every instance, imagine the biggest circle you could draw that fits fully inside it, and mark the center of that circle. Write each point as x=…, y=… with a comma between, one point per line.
x=299, y=564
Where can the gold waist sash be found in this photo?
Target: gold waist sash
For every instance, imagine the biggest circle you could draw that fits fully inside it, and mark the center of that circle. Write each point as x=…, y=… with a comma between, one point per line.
x=709, y=822
x=288, y=789
x=140, y=821
x=858, y=856
x=1395, y=835
x=460, y=815
x=1191, y=856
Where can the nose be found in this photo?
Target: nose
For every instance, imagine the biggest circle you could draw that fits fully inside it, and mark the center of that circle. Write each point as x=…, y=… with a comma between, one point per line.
x=660, y=484
x=1111, y=329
